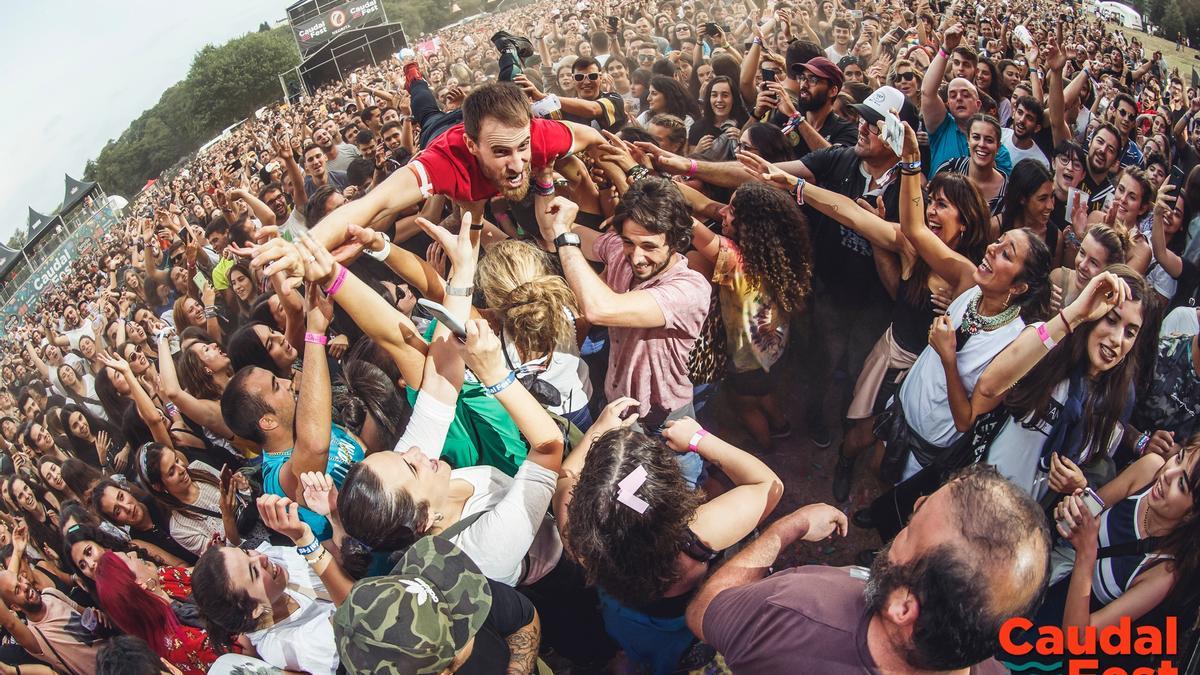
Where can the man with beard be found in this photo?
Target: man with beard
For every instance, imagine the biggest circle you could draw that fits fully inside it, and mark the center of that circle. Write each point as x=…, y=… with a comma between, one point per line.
x=974, y=554
x=492, y=152
x=602, y=110
x=1026, y=123
x=52, y=630
x=1104, y=147
x=949, y=121
x=317, y=173
x=812, y=125
x=651, y=301
x=1122, y=114
x=289, y=221
x=337, y=155
x=73, y=327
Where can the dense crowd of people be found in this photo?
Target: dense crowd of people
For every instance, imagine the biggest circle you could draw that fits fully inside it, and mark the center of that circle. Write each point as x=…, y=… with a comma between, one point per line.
x=410, y=374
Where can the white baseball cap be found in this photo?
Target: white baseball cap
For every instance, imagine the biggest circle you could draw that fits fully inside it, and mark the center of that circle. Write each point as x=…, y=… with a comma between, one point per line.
x=881, y=101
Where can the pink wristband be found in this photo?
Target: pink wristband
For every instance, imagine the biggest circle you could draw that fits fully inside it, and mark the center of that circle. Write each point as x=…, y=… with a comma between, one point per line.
x=1045, y=336
x=692, y=167
x=942, y=53
x=696, y=438
x=316, y=339
x=337, y=283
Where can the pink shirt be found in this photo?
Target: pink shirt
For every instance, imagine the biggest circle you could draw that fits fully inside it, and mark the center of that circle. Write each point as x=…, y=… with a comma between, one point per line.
x=651, y=364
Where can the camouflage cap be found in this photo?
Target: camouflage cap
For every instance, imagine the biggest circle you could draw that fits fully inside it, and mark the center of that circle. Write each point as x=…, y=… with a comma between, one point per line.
x=416, y=619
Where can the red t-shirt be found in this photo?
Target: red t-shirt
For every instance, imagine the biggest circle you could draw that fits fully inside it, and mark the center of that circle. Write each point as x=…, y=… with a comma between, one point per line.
x=455, y=172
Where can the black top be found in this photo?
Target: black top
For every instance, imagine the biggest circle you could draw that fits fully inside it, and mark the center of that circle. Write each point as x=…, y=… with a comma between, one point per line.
x=159, y=533
x=843, y=260
x=911, y=321
x=510, y=612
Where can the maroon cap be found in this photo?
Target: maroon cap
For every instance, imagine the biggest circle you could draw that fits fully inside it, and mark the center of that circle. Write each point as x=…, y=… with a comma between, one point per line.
x=823, y=67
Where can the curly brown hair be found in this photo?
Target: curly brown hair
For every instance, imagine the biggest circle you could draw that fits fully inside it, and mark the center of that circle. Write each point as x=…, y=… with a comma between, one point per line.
x=772, y=233
x=633, y=556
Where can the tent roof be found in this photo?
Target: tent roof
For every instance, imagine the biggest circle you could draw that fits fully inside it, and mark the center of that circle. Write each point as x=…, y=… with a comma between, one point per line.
x=38, y=222
x=75, y=192
x=8, y=259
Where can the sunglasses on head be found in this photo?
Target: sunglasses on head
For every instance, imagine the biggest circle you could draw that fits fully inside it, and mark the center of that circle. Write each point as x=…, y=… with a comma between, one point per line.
x=590, y=76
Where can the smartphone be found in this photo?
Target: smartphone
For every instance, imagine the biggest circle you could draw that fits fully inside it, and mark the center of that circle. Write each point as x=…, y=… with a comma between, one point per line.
x=439, y=312
x=200, y=281
x=856, y=14
x=654, y=419
x=897, y=34
x=711, y=28
x=768, y=75
x=612, y=23
x=185, y=235
x=235, y=165
x=1091, y=501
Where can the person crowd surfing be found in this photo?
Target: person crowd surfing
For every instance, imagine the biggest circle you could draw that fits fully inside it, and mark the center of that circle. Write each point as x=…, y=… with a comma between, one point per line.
x=484, y=358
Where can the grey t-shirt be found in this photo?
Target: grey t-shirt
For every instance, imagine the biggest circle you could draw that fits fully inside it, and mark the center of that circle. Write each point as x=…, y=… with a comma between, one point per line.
x=346, y=153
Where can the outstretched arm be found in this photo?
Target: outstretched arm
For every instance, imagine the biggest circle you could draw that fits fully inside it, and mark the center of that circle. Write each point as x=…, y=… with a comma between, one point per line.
x=933, y=109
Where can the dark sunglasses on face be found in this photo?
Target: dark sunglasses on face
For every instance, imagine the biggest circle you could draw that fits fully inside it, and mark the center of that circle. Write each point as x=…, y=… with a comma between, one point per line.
x=591, y=76
x=906, y=77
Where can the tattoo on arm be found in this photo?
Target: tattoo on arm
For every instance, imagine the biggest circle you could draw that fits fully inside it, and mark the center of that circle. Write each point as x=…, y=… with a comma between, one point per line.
x=523, y=649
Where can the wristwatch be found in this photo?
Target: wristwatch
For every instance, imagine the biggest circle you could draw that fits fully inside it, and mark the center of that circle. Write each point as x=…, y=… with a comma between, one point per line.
x=566, y=239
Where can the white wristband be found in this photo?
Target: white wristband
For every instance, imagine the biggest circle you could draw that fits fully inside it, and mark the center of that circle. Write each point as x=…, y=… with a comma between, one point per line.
x=382, y=254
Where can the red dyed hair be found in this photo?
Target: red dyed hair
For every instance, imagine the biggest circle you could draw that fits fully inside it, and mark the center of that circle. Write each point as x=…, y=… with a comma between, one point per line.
x=134, y=609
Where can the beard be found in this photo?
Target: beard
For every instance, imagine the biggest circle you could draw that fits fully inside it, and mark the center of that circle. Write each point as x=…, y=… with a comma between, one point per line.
x=644, y=273
x=512, y=194
x=815, y=101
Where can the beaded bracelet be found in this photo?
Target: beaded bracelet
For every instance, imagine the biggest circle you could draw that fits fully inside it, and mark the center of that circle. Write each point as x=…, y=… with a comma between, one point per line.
x=502, y=384
x=543, y=189
x=337, y=283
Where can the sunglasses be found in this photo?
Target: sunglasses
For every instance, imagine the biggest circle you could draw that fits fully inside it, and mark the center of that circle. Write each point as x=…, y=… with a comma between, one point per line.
x=906, y=77
x=590, y=76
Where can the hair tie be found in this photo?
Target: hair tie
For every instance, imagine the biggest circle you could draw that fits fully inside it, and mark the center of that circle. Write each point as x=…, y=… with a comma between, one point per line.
x=629, y=485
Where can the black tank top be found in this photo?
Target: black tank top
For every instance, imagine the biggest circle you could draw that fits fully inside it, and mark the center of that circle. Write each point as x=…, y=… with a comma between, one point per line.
x=911, y=321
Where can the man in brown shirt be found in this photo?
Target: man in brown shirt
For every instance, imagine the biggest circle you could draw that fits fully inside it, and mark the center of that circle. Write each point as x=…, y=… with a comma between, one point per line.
x=52, y=630
x=973, y=555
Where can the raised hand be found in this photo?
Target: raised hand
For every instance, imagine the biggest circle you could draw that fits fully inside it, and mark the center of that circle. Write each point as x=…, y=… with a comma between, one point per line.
x=615, y=415
x=1104, y=292
x=320, y=494
x=283, y=515
x=481, y=352
x=760, y=169
x=462, y=251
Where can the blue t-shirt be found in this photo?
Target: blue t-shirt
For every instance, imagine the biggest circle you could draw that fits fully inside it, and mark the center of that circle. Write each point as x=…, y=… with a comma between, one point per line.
x=947, y=142
x=344, y=451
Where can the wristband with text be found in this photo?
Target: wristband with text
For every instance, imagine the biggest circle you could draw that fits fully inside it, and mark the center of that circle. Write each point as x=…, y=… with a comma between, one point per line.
x=694, y=443
x=316, y=339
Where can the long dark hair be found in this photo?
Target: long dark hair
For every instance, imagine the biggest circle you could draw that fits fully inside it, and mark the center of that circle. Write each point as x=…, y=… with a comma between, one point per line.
x=772, y=233
x=737, y=110
x=973, y=214
x=634, y=556
x=80, y=476
x=237, y=309
x=369, y=392
x=246, y=349
x=82, y=448
x=1107, y=396
x=677, y=100
x=44, y=533
x=1035, y=273
x=376, y=519
x=770, y=142
x=1027, y=177
x=146, y=464
x=1179, y=546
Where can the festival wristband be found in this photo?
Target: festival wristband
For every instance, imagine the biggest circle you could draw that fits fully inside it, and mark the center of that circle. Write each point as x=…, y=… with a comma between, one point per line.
x=382, y=254
x=799, y=192
x=1142, y=442
x=309, y=548
x=500, y=386
x=692, y=167
x=942, y=53
x=337, y=283
x=910, y=168
x=694, y=443
x=460, y=291
x=1045, y=335
x=316, y=339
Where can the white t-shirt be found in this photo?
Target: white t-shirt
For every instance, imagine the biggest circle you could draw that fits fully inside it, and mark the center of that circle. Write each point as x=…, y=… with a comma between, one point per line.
x=1017, y=154
x=566, y=372
x=1181, y=320
x=1017, y=448
x=517, y=522
x=304, y=641
x=517, y=526
x=834, y=55
x=923, y=394
x=74, y=334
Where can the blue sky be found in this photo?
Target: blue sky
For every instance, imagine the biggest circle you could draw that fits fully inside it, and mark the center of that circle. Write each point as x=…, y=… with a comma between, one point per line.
x=76, y=73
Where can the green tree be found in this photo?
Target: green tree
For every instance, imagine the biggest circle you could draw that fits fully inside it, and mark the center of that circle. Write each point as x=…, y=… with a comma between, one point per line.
x=17, y=240
x=1173, y=22
x=264, y=27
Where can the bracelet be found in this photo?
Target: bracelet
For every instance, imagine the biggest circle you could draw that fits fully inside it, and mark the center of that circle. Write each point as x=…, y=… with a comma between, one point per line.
x=942, y=53
x=316, y=560
x=1070, y=237
x=1142, y=442
x=337, y=283
x=316, y=339
x=502, y=384
x=382, y=254
x=1045, y=335
x=312, y=546
x=692, y=167
x=543, y=189
x=910, y=168
x=695, y=440
x=757, y=41
x=460, y=291
x=1068, y=323
x=799, y=192
x=210, y=312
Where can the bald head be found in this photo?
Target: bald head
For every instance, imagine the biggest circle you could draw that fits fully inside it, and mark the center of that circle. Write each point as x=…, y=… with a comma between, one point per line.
x=962, y=99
